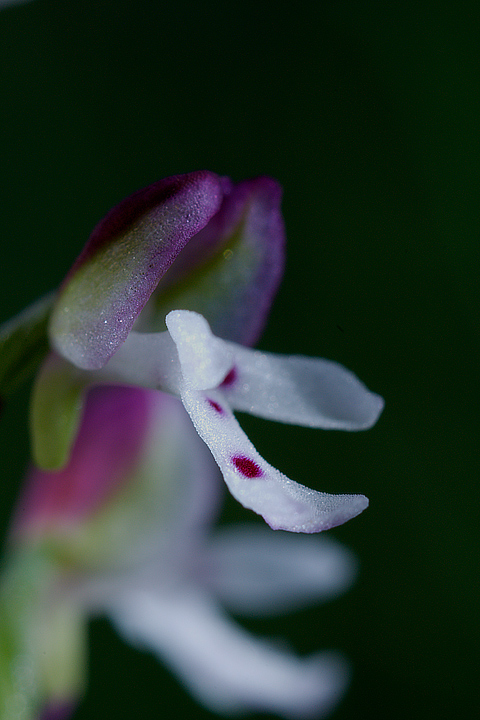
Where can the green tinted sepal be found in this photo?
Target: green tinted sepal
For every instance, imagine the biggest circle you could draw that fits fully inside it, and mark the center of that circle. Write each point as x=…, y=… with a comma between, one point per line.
x=56, y=411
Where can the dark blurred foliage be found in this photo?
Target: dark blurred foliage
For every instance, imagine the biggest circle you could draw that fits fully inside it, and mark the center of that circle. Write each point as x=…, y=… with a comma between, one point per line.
x=367, y=113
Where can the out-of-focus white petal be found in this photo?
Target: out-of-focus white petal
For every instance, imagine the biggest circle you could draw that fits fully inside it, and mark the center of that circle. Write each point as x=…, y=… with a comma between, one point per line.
x=300, y=390
x=283, y=503
x=255, y=571
x=222, y=665
x=204, y=359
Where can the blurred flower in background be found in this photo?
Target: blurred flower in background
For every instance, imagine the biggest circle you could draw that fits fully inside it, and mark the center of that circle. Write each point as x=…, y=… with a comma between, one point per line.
x=132, y=418
x=125, y=530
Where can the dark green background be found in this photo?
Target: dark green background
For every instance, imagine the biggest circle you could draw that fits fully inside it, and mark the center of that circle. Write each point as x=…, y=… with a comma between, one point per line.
x=368, y=114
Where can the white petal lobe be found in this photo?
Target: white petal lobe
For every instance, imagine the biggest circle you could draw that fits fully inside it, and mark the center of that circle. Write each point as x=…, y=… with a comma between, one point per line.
x=301, y=391
x=204, y=359
x=255, y=571
x=283, y=503
x=215, y=372
x=221, y=664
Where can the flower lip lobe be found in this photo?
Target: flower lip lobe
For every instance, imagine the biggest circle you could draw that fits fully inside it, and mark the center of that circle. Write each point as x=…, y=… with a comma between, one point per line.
x=247, y=467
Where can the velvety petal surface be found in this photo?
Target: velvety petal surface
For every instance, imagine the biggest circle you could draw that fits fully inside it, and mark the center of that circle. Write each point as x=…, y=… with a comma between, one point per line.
x=204, y=359
x=255, y=571
x=221, y=664
x=123, y=261
x=283, y=503
x=230, y=271
x=300, y=390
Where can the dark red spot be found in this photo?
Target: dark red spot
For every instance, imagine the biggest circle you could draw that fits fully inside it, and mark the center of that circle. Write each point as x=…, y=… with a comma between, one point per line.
x=216, y=406
x=247, y=467
x=230, y=377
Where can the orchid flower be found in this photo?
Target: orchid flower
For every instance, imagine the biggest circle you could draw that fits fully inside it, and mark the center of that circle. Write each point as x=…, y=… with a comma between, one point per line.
x=124, y=530
x=128, y=281
x=152, y=327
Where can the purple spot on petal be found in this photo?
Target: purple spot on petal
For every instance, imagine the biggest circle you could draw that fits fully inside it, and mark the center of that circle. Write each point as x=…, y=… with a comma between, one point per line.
x=215, y=405
x=247, y=467
x=230, y=377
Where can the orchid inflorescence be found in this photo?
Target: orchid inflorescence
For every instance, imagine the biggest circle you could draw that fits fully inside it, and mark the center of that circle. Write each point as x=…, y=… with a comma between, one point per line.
x=144, y=356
